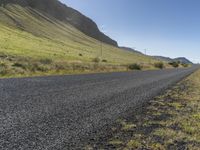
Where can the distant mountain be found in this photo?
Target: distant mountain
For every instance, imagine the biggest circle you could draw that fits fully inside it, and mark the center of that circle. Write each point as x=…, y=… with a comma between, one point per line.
x=130, y=50
x=183, y=60
x=168, y=59
x=59, y=11
x=162, y=58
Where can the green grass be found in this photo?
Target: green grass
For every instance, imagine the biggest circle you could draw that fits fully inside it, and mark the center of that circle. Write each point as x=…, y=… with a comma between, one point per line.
x=170, y=121
x=28, y=34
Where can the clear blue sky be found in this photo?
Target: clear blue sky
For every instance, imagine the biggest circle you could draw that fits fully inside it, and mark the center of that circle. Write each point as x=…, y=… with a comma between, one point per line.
x=163, y=27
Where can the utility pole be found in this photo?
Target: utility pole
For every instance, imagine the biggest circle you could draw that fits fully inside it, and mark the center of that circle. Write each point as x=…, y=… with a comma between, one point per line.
x=145, y=51
x=101, y=49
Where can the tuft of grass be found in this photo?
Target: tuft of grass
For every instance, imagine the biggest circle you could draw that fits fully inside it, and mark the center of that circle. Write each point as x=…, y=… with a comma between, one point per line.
x=126, y=126
x=115, y=142
x=96, y=60
x=156, y=146
x=134, y=144
x=46, y=61
x=176, y=105
x=196, y=116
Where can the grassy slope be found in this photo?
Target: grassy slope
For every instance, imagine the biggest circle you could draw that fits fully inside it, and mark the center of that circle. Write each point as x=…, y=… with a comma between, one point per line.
x=26, y=33
x=170, y=121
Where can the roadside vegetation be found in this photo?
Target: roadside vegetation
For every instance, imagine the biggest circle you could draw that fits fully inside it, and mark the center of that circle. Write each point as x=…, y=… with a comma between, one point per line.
x=170, y=121
x=185, y=65
x=12, y=66
x=135, y=66
x=159, y=65
x=19, y=66
x=174, y=64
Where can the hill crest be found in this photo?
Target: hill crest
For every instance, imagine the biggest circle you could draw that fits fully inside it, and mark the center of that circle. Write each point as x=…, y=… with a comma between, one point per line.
x=61, y=12
x=168, y=59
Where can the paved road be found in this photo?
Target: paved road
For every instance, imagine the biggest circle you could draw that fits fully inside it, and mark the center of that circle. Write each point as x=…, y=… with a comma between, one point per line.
x=57, y=112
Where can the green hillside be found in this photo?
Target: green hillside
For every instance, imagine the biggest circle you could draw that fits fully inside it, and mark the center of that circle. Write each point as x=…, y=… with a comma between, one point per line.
x=31, y=42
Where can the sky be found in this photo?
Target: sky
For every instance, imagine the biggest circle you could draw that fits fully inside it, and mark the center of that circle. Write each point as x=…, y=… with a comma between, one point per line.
x=163, y=27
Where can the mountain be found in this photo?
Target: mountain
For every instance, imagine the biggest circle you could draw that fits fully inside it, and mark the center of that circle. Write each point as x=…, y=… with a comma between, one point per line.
x=28, y=30
x=130, y=50
x=168, y=59
x=183, y=60
x=59, y=11
x=162, y=58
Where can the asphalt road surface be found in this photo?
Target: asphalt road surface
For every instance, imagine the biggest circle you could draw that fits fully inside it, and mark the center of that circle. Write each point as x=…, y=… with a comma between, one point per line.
x=59, y=112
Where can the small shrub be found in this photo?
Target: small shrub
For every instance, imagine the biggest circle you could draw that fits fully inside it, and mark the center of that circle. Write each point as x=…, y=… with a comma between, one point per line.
x=80, y=54
x=3, y=65
x=20, y=65
x=46, y=61
x=96, y=60
x=179, y=62
x=104, y=60
x=174, y=64
x=3, y=68
x=60, y=67
x=4, y=72
x=3, y=56
x=185, y=65
x=95, y=66
x=39, y=67
x=33, y=67
x=135, y=67
x=159, y=65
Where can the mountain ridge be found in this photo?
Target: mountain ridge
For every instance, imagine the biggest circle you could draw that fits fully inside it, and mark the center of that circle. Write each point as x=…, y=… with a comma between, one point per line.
x=183, y=60
x=62, y=12
x=26, y=32
x=168, y=59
